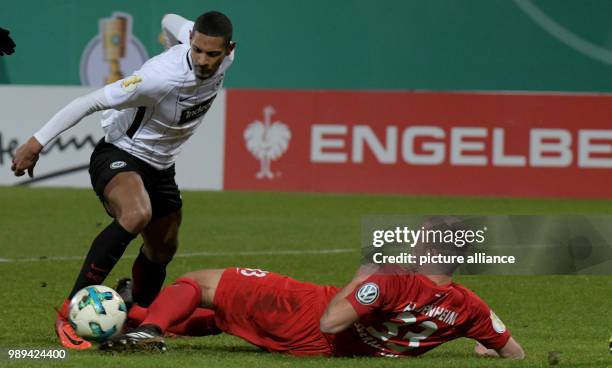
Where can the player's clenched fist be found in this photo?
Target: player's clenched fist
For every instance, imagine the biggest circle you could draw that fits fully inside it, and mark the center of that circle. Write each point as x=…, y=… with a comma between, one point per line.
x=26, y=157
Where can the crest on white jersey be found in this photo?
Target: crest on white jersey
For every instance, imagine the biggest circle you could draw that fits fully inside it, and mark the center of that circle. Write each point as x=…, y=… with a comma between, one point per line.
x=117, y=165
x=497, y=323
x=367, y=294
x=267, y=141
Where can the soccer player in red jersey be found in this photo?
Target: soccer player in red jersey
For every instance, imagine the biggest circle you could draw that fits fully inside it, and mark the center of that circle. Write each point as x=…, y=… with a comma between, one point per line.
x=386, y=311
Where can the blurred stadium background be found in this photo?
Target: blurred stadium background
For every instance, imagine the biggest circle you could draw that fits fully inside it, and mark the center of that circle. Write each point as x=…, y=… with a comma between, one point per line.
x=390, y=107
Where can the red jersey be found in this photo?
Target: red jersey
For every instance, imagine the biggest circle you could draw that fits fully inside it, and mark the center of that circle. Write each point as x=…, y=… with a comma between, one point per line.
x=402, y=313
x=272, y=311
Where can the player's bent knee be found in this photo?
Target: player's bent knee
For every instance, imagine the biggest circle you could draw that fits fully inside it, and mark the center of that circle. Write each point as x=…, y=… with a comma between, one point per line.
x=190, y=281
x=135, y=220
x=207, y=278
x=198, y=276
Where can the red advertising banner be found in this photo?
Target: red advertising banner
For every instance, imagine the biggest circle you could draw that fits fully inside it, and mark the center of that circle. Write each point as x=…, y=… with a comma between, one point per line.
x=482, y=144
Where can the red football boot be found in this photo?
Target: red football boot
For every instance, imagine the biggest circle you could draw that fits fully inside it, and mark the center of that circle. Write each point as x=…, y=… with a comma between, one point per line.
x=67, y=336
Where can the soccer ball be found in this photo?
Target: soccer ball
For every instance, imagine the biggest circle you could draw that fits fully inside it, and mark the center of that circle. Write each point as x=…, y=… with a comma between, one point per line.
x=97, y=313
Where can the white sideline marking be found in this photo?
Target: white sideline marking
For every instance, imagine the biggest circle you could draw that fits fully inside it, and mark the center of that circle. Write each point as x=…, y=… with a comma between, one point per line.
x=201, y=254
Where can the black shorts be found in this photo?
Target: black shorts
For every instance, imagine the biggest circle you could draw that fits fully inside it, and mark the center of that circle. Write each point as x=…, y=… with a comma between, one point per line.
x=107, y=160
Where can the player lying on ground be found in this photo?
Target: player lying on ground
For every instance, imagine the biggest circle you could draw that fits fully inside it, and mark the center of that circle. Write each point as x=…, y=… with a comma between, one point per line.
x=381, y=312
x=148, y=118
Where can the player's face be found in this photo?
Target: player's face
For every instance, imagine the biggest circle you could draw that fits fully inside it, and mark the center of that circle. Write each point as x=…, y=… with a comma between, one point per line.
x=207, y=53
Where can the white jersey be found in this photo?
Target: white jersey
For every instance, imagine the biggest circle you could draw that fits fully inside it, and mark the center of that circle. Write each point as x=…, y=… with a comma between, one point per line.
x=158, y=108
x=153, y=112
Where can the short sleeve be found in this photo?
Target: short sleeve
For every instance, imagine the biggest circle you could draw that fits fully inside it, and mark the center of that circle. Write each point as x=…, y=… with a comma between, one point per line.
x=372, y=295
x=487, y=328
x=143, y=88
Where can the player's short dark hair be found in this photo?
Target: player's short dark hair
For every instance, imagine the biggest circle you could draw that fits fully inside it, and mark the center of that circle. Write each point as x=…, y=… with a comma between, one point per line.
x=444, y=223
x=214, y=23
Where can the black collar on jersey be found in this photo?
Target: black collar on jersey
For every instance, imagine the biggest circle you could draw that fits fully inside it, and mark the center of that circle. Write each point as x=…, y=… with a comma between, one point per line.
x=188, y=61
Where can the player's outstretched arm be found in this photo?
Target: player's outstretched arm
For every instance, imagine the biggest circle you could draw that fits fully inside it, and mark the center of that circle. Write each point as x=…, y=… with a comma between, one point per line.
x=512, y=350
x=340, y=314
x=28, y=153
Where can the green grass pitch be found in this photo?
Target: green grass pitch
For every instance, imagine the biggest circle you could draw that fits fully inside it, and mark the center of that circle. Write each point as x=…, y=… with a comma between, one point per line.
x=568, y=314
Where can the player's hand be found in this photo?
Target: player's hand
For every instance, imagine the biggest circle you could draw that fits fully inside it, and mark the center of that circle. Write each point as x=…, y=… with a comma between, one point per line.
x=481, y=350
x=25, y=157
x=7, y=46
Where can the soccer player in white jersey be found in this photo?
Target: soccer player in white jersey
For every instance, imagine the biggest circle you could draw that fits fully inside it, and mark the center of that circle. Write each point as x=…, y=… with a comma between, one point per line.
x=147, y=119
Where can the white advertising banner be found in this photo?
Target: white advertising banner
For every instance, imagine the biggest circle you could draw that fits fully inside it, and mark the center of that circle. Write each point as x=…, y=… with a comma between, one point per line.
x=64, y=162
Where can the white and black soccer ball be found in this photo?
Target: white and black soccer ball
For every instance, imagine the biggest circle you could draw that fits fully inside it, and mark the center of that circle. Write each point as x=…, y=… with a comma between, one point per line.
x=97, y=313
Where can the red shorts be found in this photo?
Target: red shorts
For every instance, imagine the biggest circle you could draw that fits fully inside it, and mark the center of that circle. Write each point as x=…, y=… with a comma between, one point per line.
x=272, y=311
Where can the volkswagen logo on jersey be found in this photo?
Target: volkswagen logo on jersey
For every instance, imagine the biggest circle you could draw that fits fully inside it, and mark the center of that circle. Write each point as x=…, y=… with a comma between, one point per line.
x=367, y=294
x=117, y=164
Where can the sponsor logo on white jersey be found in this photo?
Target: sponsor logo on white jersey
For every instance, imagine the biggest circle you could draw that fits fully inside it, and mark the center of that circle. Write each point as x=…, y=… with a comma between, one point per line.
x=267, y=141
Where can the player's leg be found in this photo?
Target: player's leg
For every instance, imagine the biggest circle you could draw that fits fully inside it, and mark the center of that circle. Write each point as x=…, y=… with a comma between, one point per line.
x=208, y=282
x=178, y=306
x=160, y=238
x=116, y=179
x=149, y=268
x=183, y=308
x=127, y=200
x=193, y=290
x=202, y=282
x=201, y=322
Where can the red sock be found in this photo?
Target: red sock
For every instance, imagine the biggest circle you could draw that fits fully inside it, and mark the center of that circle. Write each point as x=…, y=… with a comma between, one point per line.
x=200, y=323
x=137, y=314
x=175, y=303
